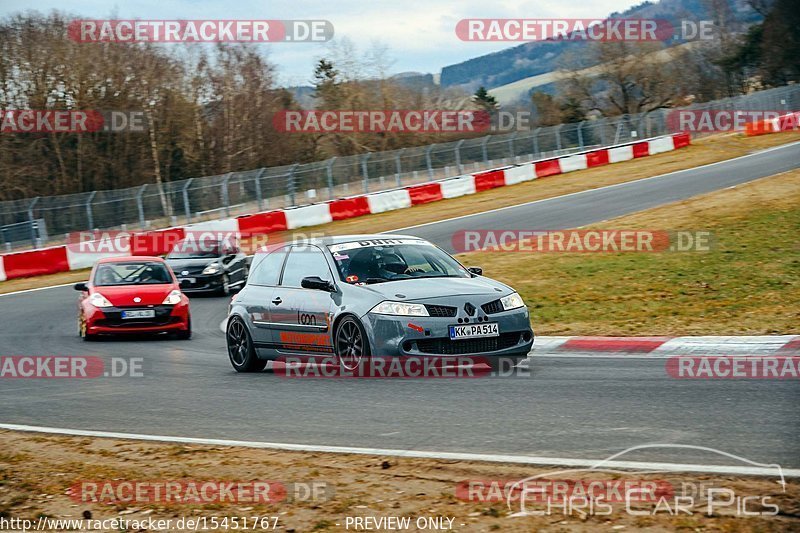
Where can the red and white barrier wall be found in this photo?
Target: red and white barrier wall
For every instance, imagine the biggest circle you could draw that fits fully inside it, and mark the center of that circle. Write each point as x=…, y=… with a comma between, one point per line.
x=159, y=242
x=788, y=122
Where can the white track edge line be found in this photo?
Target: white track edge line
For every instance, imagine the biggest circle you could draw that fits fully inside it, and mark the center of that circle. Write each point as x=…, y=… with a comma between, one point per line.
x=458, y=456
x=39, y=289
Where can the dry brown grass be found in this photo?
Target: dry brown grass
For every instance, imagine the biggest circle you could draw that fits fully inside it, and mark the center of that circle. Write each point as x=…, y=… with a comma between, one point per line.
x=361, y=486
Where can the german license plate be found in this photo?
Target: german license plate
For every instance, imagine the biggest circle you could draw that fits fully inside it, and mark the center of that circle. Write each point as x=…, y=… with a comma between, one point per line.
x=188, y=280
x=144, y=313
x=471, y=331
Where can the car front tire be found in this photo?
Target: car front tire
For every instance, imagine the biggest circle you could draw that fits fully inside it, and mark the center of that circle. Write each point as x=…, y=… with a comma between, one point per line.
x=187, y=333
x=351, y=344
x=225, y=286
x=87, y=337
x=241, y=351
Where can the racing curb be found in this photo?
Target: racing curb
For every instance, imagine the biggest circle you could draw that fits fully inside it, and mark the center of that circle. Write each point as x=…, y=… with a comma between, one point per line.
x=753, y=345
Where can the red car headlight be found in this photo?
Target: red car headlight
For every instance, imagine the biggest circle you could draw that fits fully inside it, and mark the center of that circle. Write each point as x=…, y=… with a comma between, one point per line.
x=98, y=300
x=173, y=298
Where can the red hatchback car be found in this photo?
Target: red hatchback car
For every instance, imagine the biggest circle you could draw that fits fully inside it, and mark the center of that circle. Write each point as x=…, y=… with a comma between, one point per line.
x=132, y=295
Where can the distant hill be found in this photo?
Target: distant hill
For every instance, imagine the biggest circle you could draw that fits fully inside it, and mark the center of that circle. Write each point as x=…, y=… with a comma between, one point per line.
x=537, y=58
x=514, y=71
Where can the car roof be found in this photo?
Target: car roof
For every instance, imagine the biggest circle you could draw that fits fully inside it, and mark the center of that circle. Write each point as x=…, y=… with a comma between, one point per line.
x=340, y=239
x=130, y=258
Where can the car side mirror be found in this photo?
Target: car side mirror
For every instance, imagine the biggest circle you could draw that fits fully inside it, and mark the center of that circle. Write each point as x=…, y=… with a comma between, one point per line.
x=315, y=282
x=478, y=271
x=81, y=287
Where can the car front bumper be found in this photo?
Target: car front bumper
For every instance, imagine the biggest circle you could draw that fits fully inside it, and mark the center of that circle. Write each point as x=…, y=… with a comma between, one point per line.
x=202, y=283
x=430, y=336
x=108, y=320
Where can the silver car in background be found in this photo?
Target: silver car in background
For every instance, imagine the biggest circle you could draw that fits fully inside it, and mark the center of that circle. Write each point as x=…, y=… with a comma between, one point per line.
x=361, y=296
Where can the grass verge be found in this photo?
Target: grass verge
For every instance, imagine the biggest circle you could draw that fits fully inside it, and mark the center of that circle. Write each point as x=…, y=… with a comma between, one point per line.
x=748, y=283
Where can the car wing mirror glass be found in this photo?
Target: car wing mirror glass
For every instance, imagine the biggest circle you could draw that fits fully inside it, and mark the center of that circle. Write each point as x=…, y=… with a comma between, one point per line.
x=315, y=282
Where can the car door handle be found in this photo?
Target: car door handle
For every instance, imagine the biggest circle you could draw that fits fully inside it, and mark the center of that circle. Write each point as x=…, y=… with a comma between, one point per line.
x=277, y=301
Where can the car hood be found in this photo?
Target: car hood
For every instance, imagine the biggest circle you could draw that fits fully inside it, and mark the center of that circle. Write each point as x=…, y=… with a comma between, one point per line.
x=123, y=295
x=419, y=289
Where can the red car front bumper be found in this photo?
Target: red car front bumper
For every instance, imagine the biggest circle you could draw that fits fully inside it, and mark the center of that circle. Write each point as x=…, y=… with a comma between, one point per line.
x=108, y=320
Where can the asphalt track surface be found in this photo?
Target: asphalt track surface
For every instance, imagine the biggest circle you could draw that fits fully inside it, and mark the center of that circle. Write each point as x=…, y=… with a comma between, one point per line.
x=583, y=408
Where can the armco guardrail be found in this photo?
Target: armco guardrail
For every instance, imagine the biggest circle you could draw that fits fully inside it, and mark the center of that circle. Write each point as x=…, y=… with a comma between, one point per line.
x=69, y=257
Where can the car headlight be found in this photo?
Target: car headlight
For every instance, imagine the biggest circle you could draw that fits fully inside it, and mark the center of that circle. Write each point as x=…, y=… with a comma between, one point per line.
x=173, y=298
x=399, y=309
x=211, y=269
x=98, y=300
x=512, y=301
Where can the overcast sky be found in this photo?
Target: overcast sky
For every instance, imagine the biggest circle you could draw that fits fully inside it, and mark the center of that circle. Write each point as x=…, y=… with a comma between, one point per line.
x=420, y=34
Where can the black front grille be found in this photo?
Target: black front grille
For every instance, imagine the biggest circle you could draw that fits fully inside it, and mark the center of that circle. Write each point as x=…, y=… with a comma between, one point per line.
x=492, y=307
x=113, y=317
x=441, y=310
x=444, y=346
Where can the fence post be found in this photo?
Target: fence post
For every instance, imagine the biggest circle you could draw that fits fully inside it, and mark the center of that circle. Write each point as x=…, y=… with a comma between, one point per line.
x=291, y=184
x=618, y=132
x=580, y=135
x=185, y=193
x=31, y=221
x=89, y=214
x=140, y=204
x=329, y=171
x=511, y=151
x=428, y=160
x=226, y=201
x=484, y=151
x=364, y=171
x=558, y=138
x=258, y=188
x=458, y=156
x=536, y=142
x=399, y=166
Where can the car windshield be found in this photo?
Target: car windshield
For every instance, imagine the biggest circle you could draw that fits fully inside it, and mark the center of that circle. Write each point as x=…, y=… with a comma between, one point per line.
x=134, y=273
x=380, y=260
x=193, y=250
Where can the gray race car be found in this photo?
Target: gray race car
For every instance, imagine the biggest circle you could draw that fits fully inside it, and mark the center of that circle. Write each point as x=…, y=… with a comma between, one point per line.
x=361, y=296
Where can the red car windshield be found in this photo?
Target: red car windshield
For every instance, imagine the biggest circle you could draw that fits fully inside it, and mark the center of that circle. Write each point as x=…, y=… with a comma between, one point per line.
x=134, y=273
